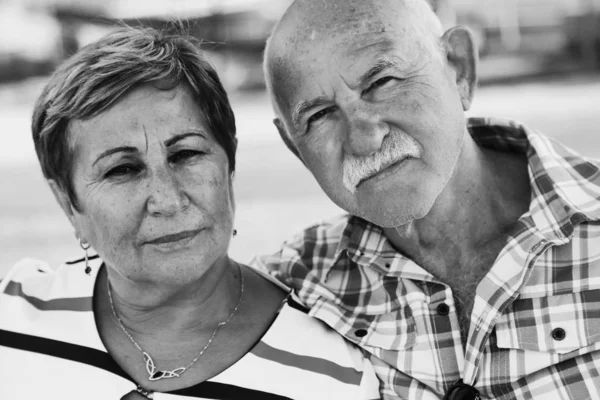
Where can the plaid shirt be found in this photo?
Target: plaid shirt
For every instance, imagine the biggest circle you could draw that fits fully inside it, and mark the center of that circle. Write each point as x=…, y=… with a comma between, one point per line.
x=535, y=325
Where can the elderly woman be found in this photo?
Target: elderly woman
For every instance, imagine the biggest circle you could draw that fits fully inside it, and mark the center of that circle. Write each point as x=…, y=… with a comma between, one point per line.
x=136, y=138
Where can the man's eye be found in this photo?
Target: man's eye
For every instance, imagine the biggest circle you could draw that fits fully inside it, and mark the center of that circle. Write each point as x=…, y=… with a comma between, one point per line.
x=318, y=115
x=183, y=155
x=122, y=170
x=380, y=82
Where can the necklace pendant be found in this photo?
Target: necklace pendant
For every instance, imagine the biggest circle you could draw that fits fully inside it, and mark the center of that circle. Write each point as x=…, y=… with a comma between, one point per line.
x=155, y=375
x=158, y=375
x=150, y=368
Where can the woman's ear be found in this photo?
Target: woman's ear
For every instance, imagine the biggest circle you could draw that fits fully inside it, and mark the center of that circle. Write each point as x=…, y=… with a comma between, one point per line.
x=462, y=55
x=231, y=192
x=65, y=202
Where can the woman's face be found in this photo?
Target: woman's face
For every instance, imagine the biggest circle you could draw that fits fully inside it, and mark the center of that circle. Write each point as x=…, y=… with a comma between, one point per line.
x=153, y=186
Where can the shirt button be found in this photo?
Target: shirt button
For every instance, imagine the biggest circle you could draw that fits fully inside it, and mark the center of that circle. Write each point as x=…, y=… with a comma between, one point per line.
x=443, y=309
x=558, y=334
x=360, y=333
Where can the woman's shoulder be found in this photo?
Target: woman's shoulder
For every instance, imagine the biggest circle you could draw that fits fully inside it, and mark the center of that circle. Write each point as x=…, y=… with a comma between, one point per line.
x=35, y=275
x=40, y=305
x=32, y=287
x=299, y=348
x=296, y=331
x=32, y=277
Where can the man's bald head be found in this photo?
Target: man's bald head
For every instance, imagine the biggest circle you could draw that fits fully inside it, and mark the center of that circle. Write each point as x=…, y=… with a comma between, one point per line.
x=364, y=87
x=307, y=23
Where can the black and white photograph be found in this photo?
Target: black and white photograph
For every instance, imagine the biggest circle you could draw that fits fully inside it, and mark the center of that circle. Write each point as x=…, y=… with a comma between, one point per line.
x=300, y=199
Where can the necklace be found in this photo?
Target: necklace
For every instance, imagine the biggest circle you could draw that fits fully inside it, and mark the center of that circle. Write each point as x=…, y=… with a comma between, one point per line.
x=153, y=374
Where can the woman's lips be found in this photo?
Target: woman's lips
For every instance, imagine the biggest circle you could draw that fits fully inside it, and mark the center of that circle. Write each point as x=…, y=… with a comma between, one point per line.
x=174, y=238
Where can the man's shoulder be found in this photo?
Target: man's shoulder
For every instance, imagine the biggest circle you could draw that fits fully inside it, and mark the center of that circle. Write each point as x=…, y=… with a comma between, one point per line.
x=313, y=247
x=328, y=232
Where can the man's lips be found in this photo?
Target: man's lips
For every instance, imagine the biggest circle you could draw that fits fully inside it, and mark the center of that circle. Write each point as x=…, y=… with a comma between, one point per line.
x=174, y=237
x=385, y=169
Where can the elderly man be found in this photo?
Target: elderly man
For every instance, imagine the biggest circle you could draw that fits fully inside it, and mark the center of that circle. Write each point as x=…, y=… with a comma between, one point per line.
x=470, y=259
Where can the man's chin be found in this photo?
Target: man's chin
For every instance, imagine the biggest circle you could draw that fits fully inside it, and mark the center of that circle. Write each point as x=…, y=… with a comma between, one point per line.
x=392, y=211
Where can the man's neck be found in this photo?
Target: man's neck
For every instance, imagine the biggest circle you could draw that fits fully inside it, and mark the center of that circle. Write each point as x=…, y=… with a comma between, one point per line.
x=484, y=198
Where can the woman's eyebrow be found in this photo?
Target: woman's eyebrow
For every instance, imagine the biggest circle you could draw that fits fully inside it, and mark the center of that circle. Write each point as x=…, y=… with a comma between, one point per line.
x=124, y=149
x=181, y=136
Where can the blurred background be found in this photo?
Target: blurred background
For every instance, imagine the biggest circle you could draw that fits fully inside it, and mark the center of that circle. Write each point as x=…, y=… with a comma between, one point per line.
x=540, y=64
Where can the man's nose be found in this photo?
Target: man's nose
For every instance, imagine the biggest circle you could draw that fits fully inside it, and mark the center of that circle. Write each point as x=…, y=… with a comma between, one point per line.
x=166, y=196
x=366, y=131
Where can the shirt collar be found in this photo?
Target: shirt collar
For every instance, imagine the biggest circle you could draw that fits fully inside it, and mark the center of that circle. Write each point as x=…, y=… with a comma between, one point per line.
x=361, y=241
x=565, y=190
x=565, y=185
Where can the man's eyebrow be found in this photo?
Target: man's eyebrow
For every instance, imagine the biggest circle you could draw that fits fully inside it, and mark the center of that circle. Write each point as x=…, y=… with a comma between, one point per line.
x=120, y=149
x=177, y=138
x=306, y=106
x=379, y=66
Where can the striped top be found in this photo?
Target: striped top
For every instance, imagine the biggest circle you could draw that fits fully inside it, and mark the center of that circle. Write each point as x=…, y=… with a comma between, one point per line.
x=50, y=349
x=535, y=330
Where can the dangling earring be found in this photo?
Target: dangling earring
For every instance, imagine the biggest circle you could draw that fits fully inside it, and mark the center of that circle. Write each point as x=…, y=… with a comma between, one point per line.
x=85, y=246
x=234, y=232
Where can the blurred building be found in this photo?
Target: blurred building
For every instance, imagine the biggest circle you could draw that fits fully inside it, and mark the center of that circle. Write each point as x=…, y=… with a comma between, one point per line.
x=36, y=34
x=234, y=31
x=528, y=27
x=535, y=34
x=29, y=41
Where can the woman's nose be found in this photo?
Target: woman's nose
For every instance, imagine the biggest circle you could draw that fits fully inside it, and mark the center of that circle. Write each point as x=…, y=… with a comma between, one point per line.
x=166, y=196
x=365, y=132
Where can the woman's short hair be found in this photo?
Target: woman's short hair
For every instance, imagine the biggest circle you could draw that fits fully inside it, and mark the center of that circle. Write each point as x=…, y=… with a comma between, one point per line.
x=101, y=73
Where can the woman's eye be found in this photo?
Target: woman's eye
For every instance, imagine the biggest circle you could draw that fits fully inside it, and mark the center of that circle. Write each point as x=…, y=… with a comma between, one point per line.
x=183, y=155
x=122, y=170
x=318, y=115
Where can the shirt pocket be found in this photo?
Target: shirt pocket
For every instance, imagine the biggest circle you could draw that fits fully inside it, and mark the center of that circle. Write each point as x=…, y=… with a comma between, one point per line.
x=557, y=324
x=394, y=331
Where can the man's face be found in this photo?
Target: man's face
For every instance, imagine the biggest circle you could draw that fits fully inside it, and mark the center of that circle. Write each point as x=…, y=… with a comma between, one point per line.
x=374, y=112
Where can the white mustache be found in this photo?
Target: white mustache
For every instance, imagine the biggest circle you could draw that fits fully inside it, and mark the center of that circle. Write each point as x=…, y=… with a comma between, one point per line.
x=394, y=148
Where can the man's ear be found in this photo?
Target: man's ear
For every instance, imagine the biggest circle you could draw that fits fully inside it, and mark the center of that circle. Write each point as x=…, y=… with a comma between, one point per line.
x=462, y=55
x=286, y=139
x=65, y=203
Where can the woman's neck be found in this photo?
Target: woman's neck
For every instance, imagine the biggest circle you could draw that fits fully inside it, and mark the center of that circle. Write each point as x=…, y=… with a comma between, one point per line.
x=175, y=312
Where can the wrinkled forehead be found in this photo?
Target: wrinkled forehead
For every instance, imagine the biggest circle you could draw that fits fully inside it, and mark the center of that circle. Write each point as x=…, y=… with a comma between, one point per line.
x=318, y=40
x=310, y=68
x=331, y=17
